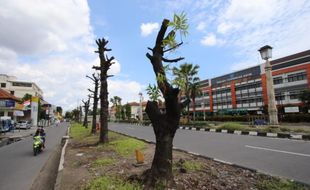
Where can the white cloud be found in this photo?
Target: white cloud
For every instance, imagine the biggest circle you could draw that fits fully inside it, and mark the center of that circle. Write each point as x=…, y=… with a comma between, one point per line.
x=201, y=26
x=148, y=28
x=225, y=27
x=51, y=44
x=36, y=27
x=211, y=40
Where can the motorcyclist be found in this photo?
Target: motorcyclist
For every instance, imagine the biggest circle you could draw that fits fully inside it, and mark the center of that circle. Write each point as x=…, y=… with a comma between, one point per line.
x=40, y=132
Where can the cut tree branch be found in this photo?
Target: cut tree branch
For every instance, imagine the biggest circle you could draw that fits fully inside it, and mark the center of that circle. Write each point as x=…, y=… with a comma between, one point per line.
x=96, y=67
x=173, y=47
x=172, y=60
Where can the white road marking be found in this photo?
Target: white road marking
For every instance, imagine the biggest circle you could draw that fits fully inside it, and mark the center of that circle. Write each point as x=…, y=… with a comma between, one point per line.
x=281, y=151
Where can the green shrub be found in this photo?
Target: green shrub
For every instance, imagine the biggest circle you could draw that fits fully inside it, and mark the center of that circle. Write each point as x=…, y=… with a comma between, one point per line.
x=234, y=126
x=295, y=118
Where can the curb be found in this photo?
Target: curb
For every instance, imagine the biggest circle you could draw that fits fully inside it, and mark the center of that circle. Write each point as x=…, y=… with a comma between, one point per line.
x=251, y=133
x=215, y=159
x=65, y=140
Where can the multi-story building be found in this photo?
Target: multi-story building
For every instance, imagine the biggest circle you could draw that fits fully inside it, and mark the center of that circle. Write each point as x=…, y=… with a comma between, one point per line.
x=246, y=89
x=19, y=88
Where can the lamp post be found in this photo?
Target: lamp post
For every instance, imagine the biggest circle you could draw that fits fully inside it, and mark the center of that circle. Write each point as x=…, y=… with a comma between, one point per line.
x=266, y=53
x=204, y=112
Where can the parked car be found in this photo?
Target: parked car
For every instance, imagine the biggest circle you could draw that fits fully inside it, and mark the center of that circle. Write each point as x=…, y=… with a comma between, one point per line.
x=23, y=125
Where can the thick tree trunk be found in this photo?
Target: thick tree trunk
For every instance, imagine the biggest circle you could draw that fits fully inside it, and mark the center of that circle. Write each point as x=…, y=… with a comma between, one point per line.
x=161, y=170
x=95, y=107
x=85, y=122
x=104, y=111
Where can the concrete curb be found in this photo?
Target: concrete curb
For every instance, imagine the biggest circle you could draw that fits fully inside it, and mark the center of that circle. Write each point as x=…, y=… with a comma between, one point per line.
x=251, y=133
x=65, y=140
x=214, y=159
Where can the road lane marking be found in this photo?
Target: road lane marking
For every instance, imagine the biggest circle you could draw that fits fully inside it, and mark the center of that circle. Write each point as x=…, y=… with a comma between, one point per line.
x=281, y=151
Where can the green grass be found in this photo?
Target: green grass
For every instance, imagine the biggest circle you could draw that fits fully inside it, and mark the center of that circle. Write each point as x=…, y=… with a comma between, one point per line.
x=280, y=184
x=103, y=162
x=125, y=146
x=111, y=184
x=192, y=166
x=77, y=131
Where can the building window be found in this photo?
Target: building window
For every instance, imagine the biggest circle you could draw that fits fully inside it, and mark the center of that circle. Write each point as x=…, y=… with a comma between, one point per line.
x=3, y=85
x=297, y=77
x=24, y=84
x=278, y=80
x=294, y=96
x=12, y=92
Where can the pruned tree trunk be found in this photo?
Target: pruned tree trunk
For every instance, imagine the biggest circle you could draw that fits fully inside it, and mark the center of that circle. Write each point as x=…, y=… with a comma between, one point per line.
x=164, y=124
x=86, y=108
x=105, y=64
x=95, y=105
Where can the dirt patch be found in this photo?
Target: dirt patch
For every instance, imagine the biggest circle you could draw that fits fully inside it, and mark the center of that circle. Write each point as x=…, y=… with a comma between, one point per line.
x=190, y=171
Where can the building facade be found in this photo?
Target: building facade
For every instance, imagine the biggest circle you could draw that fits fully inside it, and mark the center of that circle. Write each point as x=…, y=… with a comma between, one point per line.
x=246, y=90
x=19, y=88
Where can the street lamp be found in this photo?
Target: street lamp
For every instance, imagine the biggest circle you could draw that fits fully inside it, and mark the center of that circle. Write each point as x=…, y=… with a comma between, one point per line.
x=266, y=53
x=204, y=112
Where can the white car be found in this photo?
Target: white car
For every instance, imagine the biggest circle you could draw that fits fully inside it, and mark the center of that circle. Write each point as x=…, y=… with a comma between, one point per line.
x=23, y=125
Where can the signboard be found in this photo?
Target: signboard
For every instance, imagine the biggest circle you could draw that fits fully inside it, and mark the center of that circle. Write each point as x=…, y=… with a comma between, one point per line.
x=250, y=72
x=34, y=110
x=7, y=103
x=291, y=109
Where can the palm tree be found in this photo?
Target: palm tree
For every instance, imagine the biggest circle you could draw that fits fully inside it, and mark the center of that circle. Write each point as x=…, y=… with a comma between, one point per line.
x=185, y=76
x=153, y=92
x=194, y=92
x=117, y=101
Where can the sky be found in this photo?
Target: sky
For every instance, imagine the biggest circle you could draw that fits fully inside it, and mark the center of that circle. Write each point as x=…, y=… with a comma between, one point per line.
x=52, y=43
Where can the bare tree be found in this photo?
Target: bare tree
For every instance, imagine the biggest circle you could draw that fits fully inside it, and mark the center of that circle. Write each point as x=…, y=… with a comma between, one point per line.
x=105, y=64
x=164, y=124
x=86, y=108
x=94, y=95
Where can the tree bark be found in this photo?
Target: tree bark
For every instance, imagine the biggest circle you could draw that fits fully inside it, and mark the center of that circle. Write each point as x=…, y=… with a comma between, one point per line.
x=95, y=107
x=164, y=124
x=105, y=64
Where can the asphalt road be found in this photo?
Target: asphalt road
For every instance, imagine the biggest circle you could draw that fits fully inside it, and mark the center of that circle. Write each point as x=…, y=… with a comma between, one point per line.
x=279, y=157
x=18, y=166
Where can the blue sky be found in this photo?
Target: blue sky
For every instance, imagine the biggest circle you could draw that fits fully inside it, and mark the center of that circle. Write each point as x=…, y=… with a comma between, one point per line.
x=52, y=43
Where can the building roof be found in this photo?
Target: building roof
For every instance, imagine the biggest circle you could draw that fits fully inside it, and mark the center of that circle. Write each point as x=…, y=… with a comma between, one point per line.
x=290, y=57
x=6, y=95
x=133, y=104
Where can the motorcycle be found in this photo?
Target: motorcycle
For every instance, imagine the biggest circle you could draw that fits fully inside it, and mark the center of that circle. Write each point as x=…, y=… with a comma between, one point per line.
x=37, y=145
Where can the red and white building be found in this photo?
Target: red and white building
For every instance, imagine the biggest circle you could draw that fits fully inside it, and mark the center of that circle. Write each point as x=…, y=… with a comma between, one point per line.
x=246, y=89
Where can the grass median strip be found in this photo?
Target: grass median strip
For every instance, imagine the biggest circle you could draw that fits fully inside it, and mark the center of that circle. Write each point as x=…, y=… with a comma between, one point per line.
x=93, y=166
